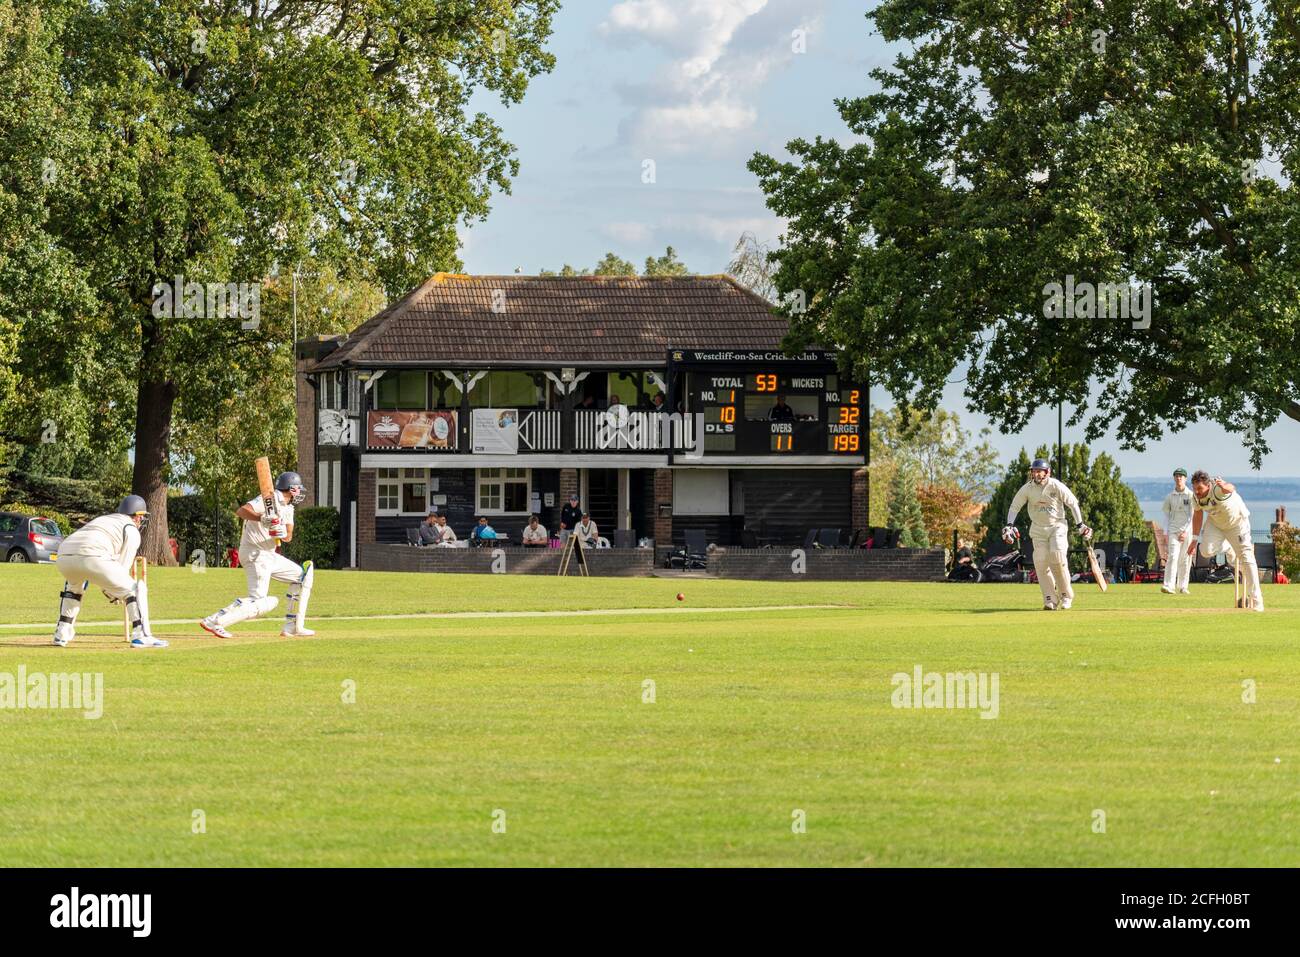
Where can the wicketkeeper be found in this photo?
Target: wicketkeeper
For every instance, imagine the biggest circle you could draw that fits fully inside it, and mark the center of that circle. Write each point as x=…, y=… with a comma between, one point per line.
x=101, y=553
x=262, y=563
x=1222, y=515
x=1048, y=500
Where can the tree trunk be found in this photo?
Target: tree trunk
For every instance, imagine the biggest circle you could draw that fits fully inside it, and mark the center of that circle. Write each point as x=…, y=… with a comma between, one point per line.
x=153, y=429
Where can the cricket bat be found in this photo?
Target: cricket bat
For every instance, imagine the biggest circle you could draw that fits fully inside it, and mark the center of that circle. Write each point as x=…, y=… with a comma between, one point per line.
x=1097, y=575
x=267, y=487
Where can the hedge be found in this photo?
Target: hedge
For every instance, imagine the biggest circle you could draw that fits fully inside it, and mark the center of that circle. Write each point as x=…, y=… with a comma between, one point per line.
x=315, y=536
x=190, y=520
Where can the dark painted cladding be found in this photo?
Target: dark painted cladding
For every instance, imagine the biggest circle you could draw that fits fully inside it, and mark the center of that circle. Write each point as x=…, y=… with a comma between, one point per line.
x=779, y=504
x=783, y=504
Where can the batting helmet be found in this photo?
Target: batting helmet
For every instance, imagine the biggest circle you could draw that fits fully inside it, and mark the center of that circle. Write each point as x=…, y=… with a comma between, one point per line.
x=291, y=482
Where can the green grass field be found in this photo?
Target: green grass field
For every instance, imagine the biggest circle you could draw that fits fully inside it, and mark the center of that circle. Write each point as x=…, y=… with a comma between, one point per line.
x=1131, y=704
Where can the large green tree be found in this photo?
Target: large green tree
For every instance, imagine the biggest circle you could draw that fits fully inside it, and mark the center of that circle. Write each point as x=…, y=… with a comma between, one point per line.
x=211, y=140
x=1015, y=144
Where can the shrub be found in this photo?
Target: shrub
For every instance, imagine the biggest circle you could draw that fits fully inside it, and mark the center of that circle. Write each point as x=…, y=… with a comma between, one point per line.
x=192, y=522
x=1286, y=541
x=315, y=536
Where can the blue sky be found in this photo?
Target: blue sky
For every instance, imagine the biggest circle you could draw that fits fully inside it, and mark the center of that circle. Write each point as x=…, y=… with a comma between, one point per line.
x=698, y=86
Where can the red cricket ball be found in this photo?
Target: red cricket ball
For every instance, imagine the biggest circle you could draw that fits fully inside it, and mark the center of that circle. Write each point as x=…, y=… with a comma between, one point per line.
x=681, y=597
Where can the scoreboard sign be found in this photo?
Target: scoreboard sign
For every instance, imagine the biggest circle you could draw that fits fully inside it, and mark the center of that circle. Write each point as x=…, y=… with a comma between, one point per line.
x=756, y=402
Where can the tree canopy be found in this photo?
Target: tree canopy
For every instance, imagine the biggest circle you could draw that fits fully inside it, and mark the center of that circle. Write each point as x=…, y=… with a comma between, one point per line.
x=158, y=143
x=1142, y=143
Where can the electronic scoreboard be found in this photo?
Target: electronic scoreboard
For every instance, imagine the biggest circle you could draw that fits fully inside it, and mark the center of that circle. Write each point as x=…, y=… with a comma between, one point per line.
x=756, y=402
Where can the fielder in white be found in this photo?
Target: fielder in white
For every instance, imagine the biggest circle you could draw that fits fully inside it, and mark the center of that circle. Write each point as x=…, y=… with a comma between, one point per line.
x=1048, y=500
x=262, y=532
x=101, y=553
x=1178, y=507
x=1223, y=517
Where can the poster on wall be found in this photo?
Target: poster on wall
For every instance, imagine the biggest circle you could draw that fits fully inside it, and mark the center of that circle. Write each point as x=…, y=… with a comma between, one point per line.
x=496, y=431
x=411, y=430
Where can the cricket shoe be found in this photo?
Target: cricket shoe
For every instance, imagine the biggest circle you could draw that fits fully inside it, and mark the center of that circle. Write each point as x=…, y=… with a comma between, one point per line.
x=1065, y=604
x=61, y=641
x=1049, y=605
x=210, y=626
x=148, y=641
x=294, y=632
x=1184, y=591
x=1166, y=589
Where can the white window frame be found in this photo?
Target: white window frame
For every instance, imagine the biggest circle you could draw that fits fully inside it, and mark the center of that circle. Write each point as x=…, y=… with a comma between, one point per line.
x=488, y=477
x=388, y=486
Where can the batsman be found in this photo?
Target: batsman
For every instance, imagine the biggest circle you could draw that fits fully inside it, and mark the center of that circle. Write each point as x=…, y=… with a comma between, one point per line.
x=1048, y=501
x=1221, y=520
x=101, y=553
x=268, y=520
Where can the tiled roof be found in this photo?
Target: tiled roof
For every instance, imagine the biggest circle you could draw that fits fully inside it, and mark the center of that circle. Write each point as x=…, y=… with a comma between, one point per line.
x=613, y=319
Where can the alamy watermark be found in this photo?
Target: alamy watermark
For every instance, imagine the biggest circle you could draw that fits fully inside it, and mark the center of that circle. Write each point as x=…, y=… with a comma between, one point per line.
x=178, y=299
x=1107, y=300
x=56, y=691
x=935, y=689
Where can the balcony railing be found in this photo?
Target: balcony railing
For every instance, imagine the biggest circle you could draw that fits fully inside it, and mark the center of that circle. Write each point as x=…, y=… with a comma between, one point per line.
x=522, y=431
x=624, y=430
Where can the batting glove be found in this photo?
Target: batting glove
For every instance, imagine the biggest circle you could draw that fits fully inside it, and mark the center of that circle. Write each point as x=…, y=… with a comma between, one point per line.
x=1083, y=530
x=1010, y=534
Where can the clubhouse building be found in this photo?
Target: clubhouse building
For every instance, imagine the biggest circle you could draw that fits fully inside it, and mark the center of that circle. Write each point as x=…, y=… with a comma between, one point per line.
x=667, y=405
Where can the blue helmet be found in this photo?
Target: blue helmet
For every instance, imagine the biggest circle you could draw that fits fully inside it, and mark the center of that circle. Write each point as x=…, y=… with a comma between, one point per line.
x=135, y=505
x=1041, y=464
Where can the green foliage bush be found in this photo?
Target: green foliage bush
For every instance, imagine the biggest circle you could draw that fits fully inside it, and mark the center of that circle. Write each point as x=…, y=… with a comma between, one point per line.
x=79, y=500
x=1286, y=541
x=192, y=521
x=905, y=510
x=315, y=536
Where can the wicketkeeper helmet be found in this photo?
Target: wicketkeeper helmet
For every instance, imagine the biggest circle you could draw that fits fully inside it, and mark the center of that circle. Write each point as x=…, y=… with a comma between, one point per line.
x=135, y=505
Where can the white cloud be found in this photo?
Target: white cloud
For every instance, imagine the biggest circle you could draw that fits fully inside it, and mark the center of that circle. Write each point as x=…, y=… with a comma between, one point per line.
x=720, y=52
x=630, y=233
x=726, y=229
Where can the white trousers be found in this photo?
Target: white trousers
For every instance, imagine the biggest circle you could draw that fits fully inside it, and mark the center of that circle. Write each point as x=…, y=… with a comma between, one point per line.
x=1179, y=566
x=1237, y=542
x=1050, y=562
x=106, y=573
x=262, y=565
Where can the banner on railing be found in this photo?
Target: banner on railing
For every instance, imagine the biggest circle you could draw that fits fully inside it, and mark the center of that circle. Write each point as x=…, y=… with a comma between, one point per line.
x=496, y=431
x=411, y=430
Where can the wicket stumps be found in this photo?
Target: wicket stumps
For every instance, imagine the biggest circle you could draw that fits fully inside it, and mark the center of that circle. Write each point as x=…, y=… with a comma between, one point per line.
x=139, y=572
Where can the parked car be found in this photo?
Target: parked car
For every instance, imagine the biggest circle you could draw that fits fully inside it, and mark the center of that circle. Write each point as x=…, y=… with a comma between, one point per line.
x=27, y=539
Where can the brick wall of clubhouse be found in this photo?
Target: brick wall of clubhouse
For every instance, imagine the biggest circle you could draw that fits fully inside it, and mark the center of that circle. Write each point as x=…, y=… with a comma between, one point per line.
x=838, y=564
x=617, y=562
x=769, y=564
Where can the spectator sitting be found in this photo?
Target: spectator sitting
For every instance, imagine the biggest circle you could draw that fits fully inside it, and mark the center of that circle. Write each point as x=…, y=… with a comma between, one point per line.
x=535, y=534
x=616, y=407
x=588, y=402
x=963, y=564
x=657, y=402
x=483, y=531
x=571, y=514
x=781, y=412
x=447, y=534
x=430, y=530
x=587, y=530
